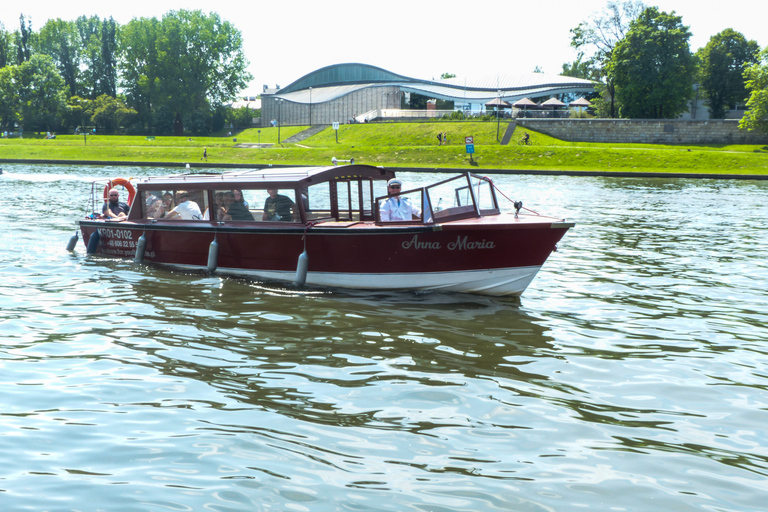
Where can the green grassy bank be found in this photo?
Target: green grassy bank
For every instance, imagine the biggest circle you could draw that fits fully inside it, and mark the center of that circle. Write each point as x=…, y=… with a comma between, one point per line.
x=396, y=145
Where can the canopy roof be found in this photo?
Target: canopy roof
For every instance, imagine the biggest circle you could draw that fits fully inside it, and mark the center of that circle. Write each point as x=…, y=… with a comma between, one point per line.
x=553, y=102
x=498, y=102
x=525, y=102
x=333, y=82
x=286, y=177
x=581, y=102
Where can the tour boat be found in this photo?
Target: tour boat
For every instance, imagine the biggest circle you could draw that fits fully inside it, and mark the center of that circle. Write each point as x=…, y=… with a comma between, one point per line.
x=328, y=230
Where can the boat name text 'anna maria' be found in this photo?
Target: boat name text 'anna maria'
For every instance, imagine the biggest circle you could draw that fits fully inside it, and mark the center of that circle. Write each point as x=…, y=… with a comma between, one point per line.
x=461, y=244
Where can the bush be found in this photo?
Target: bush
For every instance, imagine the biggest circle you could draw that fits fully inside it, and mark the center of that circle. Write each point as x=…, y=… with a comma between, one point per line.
x=579, y=114
x=456, y=115
x=241, y=117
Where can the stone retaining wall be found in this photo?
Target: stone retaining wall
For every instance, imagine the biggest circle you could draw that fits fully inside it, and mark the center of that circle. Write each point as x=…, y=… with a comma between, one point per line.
x=648, y=131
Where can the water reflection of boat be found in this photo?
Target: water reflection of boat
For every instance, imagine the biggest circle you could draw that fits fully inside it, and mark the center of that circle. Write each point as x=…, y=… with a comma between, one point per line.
x=327, y=230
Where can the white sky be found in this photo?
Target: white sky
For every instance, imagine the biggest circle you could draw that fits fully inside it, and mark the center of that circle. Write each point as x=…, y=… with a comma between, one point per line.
x=284, y=40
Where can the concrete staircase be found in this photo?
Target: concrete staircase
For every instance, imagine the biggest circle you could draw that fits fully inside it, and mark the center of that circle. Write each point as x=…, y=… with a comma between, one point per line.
x=312, y=130
x=508, y=133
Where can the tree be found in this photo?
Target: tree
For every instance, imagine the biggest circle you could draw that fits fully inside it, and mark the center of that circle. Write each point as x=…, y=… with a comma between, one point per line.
x=446, y=76
x=240, y=117
x=60, y=40
x=88, y=30
x=723, y=61
x=6, y=47
x=198, y=56
x=78, y=112
x=110, y=114
x=107, y=76
x=99, y=55
x=756, y=76
x=587, y=70
x=653, y=68
x=41, y=92
x=581, y=68
x=139, y=68
x=10, y=103
x=598, y=37
x=24, y=40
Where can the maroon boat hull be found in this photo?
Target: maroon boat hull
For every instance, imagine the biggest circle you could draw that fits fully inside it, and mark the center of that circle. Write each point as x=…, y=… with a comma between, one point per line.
x=363, y=249
x=467, y=245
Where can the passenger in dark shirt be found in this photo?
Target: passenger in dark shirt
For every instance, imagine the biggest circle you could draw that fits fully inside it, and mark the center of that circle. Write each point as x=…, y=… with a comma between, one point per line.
x=278, y=207
x=114, y=208
x=235, y=209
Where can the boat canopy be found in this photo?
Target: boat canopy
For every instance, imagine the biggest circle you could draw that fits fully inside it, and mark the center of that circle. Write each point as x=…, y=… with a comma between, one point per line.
x=286, y=177
x=317, y=195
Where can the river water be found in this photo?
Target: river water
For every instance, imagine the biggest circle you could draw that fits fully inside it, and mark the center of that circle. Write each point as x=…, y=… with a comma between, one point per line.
x=631, y=376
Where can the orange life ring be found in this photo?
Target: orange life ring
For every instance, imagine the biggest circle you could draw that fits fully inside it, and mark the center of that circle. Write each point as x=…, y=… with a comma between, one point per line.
x=125, y=183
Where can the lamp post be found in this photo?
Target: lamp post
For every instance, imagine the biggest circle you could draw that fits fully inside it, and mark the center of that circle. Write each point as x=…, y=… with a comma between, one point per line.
x=279, y=117
x=498, y=107
x=310, y=106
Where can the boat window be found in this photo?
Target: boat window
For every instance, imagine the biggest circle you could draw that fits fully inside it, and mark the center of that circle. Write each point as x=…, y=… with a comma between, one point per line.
x=405, y=207
x=234, y=204
x=348, y=194
x=158, y=204
x=153, y=204
x=451, y=197
x=456, y=197
x=318, y=202
x=342, y=200
x=371, y=189
x=483, y=191
x=369, y=194
x=256, y=205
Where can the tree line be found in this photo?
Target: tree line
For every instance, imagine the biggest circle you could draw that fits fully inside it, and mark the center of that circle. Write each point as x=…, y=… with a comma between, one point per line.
x=641, y=61
x=175, y=74
x=149, y=76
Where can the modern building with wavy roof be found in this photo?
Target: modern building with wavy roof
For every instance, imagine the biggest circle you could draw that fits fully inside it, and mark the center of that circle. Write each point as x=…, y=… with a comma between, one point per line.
x=344, y=92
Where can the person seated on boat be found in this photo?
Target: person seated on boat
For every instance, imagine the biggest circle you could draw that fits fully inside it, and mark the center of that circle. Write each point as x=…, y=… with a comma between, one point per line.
x=236, y=210
x=239, y=197
x=186, y=209
x=166, y=206
x=218, y=207
x=154, y=208
x=114, y=208
x=278, y=206
x=397, y=208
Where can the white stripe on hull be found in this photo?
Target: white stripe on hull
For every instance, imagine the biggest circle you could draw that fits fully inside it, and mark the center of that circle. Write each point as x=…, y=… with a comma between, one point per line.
x=497, y=282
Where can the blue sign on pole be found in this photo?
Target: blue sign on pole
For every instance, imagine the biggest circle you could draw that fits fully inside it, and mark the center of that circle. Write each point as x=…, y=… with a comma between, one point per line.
x=470, y=148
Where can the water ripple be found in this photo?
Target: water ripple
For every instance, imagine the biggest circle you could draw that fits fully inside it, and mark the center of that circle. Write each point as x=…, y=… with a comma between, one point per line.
x=630, y=376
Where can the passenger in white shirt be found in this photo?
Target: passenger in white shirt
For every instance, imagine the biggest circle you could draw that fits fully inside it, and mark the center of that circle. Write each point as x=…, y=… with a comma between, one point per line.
x=186, y=209
x=397, y=208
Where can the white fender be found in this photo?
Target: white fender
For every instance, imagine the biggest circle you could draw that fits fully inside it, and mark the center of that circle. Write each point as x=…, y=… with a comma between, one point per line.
x=93, y=242
x=213, y=256
x=141, y=246
x=301, y=269
x=72, y=242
